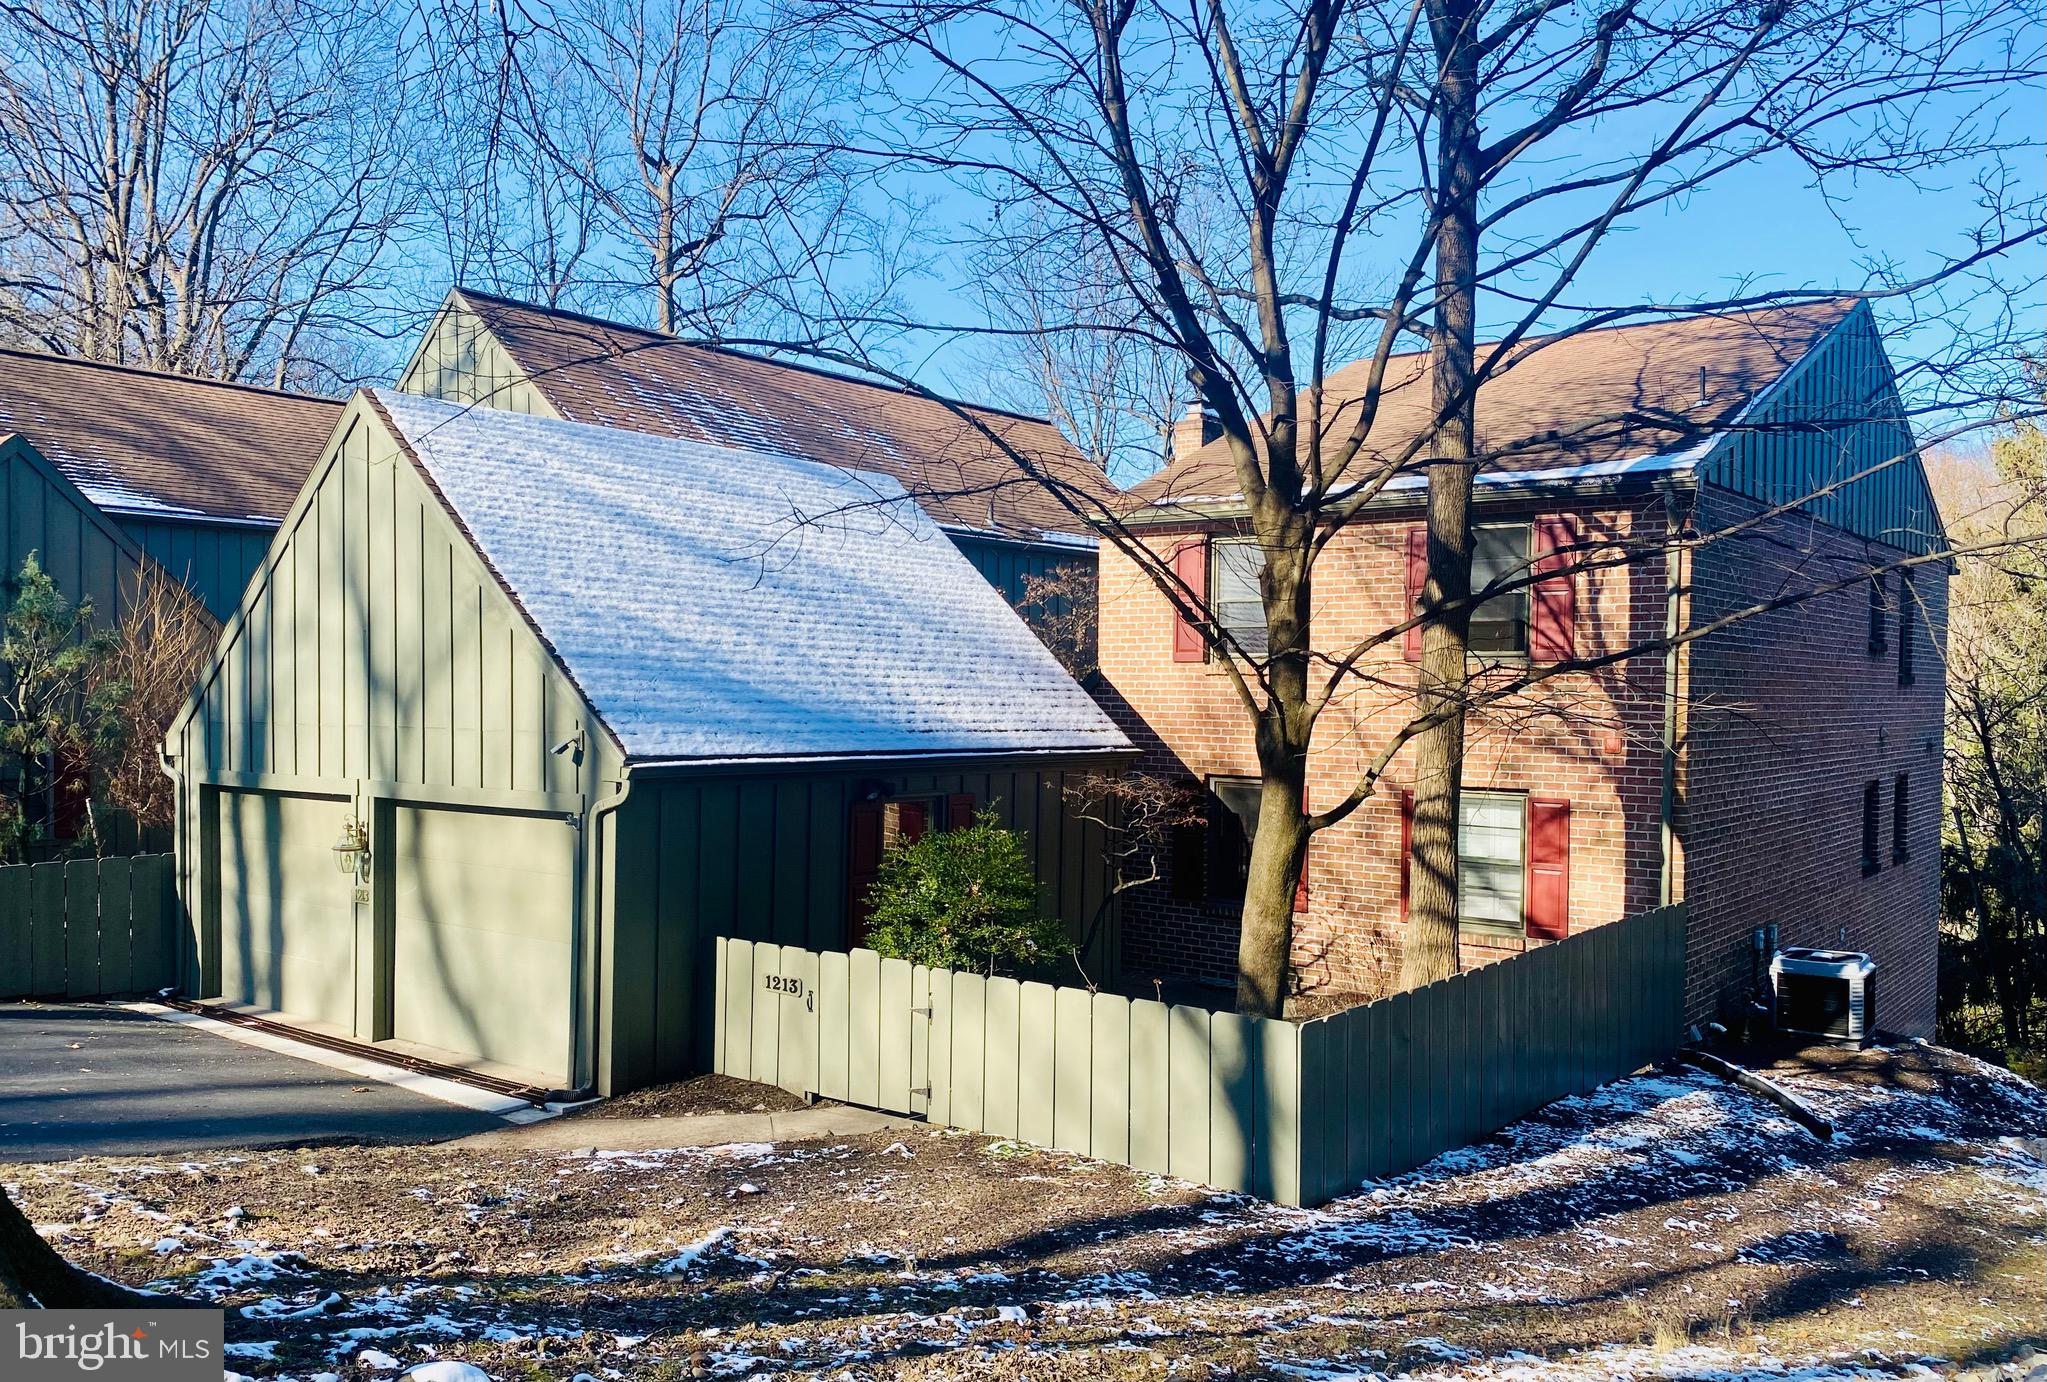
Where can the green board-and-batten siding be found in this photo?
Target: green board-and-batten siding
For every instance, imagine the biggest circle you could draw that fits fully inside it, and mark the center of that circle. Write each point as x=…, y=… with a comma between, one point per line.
x=1008, y=564
x=762, y=856
x=42, y=512
x=213, y=560
x=1834, y=415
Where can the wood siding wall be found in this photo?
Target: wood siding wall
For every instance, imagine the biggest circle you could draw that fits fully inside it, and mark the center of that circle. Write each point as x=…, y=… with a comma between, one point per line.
x=459, y=360
x=1836, y=414
x=763, y=857
x=373, y=646
x=1006, y=565
x=78, y=545
x=213, y=560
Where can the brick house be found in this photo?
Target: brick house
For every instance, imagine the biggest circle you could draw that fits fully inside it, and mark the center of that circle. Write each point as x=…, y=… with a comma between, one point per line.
x=1783, y=770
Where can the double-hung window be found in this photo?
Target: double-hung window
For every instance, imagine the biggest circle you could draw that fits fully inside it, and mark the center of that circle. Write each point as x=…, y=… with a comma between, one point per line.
x=1233, y=567
x=1491, y=860
x=1500, y=551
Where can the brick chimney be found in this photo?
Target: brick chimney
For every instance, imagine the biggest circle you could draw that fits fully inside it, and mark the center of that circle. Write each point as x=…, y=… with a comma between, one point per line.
x=1192, y=432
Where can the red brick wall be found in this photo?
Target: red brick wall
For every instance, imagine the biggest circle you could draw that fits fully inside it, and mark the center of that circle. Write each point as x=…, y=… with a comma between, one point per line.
x=1593, y=739
x=1788, y=715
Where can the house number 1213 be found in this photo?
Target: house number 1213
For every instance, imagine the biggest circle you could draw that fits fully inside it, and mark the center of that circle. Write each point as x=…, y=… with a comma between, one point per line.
x=786, y=983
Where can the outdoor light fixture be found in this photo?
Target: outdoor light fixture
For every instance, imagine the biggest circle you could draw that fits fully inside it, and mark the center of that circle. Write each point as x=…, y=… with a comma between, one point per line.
x=352, y=849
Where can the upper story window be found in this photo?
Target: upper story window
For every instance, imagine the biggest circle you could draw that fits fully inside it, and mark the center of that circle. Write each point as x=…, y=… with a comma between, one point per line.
x=1500, y=551
x=1233, y=567
x=1907, y=610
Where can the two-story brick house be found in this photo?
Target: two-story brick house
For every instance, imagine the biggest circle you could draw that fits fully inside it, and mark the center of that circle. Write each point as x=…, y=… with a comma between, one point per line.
x=1784, y=769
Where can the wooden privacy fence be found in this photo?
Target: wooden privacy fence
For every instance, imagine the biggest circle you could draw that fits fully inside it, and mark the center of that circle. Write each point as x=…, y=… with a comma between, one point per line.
x=1294, y=1112
x=87, y=928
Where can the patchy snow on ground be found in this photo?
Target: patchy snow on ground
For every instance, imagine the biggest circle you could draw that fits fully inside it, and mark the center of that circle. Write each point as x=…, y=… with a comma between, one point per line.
x=1665, y=1227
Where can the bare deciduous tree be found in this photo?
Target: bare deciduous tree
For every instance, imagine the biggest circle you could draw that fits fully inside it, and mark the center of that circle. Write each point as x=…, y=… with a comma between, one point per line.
x=203, y=186
x=148, y=670
x=1272, y=191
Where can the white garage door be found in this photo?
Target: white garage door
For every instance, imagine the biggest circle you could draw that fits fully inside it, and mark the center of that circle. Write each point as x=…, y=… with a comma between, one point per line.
x=482, y=908
x=287, y=915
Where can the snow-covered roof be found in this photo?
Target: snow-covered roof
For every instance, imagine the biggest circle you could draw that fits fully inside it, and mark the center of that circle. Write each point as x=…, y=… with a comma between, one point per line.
x=714, y=603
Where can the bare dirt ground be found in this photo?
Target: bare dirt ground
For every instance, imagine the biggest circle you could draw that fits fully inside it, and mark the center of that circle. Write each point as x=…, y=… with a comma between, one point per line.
x=1667, y=1226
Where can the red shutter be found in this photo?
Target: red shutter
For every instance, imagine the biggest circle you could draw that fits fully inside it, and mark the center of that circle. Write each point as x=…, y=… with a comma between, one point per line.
x=863, y=862
x=913, y=818
x=1406, y=848
x=1549, y=869
x=1190, y=564
x=1553, y=601
x=1300, y=885
x=1417, y=577
x=959, y=810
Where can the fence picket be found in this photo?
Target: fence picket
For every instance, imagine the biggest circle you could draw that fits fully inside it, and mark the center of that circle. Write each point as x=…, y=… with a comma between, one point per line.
x=1002, y=1058
x=966, y=1101
x=893, y=1043
x=15, y=945
x=832, y=1023
x=1233, y=1099
x=1150, y=1093
x=1189, y=1080
x=1109, y=1080
x=863, y=1021
x=82, y=942
x=1037, y=1054
x=117, y=927
x=1072, y=1070
x=46, y=929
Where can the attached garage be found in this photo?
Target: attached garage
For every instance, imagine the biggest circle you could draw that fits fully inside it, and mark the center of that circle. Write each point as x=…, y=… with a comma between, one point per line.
x=503, y=737
x=287, y=938
x=482, y=911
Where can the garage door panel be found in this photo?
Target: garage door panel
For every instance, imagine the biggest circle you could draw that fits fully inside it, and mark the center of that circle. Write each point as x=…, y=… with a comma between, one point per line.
x=287, y=917
x=482, y=906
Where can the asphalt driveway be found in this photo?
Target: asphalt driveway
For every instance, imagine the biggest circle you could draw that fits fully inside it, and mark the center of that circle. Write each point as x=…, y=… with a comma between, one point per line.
x=90, y=1079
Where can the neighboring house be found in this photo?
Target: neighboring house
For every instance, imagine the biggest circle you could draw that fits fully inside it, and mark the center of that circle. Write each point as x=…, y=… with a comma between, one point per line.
x=195, y=472
x=490, y=350
x=1786, y=770
x=595, y=698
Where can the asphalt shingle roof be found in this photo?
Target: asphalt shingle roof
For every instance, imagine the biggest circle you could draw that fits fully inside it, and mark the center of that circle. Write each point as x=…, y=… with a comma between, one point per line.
x=141, y=442
x=1598, y=399
x=717, y=603
x=622, y=376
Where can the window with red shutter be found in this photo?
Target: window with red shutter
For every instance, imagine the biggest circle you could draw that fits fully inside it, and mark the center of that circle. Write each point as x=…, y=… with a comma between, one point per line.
x=1553, y=600
x=959, y=810
x=1548, y=890
x=1417, y=577
x=1301, y=886
x=1190, y=564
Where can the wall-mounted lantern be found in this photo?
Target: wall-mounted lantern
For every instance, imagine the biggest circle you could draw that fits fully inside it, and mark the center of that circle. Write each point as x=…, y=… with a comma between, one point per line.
x=352, y=849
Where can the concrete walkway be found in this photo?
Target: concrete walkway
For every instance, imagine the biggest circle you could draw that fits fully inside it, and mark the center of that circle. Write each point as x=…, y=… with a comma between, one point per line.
x=595, y=1134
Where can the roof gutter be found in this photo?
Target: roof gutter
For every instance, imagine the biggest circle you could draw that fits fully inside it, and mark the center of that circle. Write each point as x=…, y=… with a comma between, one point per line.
x=589, y=949
x=1677, y=474
x=677, y=766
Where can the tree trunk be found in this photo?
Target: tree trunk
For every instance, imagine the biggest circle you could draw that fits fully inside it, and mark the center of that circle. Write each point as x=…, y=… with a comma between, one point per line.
x=32, y=1274
x=1430, y=952
x=1279, y=848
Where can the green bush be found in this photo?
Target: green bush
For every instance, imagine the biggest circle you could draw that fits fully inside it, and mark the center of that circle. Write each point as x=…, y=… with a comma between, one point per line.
x=962, y=899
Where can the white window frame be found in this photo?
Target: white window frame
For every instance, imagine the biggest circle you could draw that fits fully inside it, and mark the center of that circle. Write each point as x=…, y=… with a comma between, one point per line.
x=1519, y=568
x=1252, y=638
x=1487, y=925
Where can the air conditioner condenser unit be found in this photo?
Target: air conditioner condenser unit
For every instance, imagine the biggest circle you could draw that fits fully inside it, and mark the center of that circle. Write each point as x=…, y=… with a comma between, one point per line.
x=1829, y=994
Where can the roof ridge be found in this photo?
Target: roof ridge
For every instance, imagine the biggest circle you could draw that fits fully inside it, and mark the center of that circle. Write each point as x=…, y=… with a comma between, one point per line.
x=665, y=338
x=147, y=373
x=1571, y=333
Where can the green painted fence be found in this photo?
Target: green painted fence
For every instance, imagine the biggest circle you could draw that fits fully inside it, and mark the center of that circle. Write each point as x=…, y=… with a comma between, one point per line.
x=1294, y=1112
x=87, y=928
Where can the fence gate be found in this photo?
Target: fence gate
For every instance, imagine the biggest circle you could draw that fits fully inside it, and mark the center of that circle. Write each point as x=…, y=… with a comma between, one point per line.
x=849, y=1026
